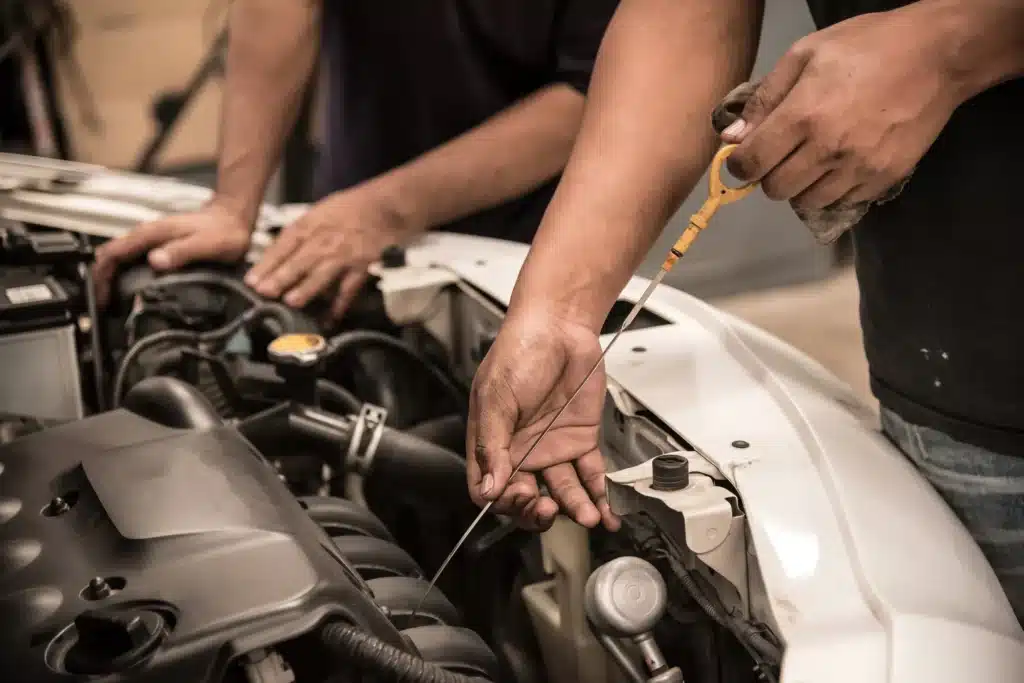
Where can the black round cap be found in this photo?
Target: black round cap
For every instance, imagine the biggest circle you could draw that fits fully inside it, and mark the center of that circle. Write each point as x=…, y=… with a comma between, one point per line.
x=392, y=257
x=671, y=473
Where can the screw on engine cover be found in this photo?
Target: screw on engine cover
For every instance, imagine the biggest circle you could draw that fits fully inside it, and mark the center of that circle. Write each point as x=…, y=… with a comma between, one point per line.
x=740, y=444
x=60, y=505
x=98, y=589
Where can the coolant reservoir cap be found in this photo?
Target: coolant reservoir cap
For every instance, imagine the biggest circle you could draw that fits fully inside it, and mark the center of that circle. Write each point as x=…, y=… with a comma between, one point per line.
x=671, y=472
x=297, y=349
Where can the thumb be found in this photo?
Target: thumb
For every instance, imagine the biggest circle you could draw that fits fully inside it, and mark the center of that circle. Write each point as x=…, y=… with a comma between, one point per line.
x=762, y=100
x=492, y=422
x=184, y=250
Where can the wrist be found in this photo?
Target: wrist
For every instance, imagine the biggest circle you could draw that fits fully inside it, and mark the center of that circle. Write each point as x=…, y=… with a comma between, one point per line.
x=245, y=211
x=399, y=203
x=980, y=42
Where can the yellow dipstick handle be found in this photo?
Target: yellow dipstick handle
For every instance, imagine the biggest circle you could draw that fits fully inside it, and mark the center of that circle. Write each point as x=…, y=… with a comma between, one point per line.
x=719, y=194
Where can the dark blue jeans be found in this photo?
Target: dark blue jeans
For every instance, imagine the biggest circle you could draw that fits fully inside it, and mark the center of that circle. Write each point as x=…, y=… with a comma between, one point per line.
x=985, y=489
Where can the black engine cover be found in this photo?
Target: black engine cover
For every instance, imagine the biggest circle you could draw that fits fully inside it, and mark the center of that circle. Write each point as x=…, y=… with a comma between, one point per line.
x=190, y=526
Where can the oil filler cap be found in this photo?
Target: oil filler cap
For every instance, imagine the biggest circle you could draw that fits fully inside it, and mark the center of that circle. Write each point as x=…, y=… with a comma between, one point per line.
x=113, y=640
x=297, y=349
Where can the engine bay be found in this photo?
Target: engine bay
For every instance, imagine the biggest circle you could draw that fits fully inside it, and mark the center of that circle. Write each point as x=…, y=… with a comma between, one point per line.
x=200, y=485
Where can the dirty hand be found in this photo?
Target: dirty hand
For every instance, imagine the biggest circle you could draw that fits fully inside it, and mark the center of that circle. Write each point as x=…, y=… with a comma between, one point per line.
x=531, y=370
x=214, y=233
x=848, y=111
x=327, y=250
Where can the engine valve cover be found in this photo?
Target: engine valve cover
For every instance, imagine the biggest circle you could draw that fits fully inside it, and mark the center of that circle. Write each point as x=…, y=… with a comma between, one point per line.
x=125, y=544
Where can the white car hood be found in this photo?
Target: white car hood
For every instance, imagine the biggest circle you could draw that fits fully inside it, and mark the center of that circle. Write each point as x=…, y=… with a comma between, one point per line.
x=869, y=574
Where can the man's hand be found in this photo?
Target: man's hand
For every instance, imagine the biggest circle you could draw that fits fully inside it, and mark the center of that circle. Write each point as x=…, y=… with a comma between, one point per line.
x=532, y=369
x=328, y=249
x=849, y=111
x=214, y=233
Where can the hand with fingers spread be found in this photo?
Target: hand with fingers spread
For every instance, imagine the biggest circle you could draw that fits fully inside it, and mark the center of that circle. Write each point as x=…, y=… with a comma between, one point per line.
x=849, y=111
x=215, y=233
x=534, y=366
x=327, y=250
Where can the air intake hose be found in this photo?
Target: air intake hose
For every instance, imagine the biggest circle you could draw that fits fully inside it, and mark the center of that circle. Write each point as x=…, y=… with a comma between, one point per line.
x=387, y=663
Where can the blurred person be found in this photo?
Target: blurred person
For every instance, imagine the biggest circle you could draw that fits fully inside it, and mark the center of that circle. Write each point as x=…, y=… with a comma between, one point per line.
x=442, y=113
x=885, y=90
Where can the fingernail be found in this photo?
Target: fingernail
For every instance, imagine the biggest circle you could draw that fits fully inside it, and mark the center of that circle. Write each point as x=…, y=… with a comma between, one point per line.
x=487, y=484
x=160, y=259
x=251, y=280
x=292, y=299
x=735, y=129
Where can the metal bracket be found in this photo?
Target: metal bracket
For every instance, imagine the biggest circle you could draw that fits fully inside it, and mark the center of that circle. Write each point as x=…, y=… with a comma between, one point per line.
x=706, y=515
x=369, y=424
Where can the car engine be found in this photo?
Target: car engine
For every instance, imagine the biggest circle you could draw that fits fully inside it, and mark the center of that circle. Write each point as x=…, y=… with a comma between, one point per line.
x=198, y=485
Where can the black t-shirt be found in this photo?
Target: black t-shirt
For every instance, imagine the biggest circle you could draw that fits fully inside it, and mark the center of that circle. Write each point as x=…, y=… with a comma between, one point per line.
x=941, y=272
x=404, y=77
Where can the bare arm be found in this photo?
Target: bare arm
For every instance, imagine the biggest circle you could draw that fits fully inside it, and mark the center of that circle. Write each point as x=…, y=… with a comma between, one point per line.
x=985, y=40
x=645, y=140
x=513, y=152
x=272, y=50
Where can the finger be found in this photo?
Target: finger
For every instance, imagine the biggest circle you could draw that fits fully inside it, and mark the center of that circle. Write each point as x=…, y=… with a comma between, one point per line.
x=794, y=174
x=176, y=253
x=540, y=514
x=289, y=271
x=141, y=239
x=348, y=289
x=827, y=191
x=522, y=492
x=590, y=469
x=286, y=243
x=770, y=129
x=323, y=275
x=768, y=94
x=568, y=492
x=495, y=421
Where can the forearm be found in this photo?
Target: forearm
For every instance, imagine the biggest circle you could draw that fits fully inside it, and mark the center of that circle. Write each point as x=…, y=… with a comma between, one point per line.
x=272, y=49
x=645, y=141
x=503, y=158
x=983, y=40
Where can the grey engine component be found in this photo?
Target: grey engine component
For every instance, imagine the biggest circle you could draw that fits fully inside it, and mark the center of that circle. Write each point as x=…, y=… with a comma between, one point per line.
x=143, y=552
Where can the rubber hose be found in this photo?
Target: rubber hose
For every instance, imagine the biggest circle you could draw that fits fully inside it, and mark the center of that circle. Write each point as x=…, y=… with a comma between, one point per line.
x=385, y=661
x=339, y=395
x=448, y=432
x=349, y=340
x=208, y=280
x=404, y=462
x=220, y=334
x=172, y=403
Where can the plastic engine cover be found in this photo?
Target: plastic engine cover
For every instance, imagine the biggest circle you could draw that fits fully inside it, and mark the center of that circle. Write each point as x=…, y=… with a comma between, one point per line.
x=202, y=551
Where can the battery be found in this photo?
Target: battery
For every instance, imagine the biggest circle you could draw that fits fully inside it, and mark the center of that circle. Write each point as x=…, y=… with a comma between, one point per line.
x=30, y=300
x=39, y=368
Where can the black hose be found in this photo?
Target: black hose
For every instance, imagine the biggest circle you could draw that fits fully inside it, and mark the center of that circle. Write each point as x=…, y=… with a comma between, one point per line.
x=413, y=466
x=185, y=337
x=348, y=340
x=448, y=432
x=206, y=279
x=172, y=403
x=386, y=662
x=338, y=394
